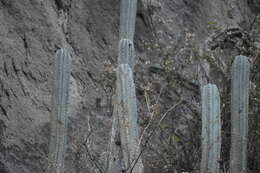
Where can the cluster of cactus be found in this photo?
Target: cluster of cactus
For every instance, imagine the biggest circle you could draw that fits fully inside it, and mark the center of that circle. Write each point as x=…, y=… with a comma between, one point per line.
x=211, y=121
x=125, y=134
x=124, y=156
x=60, y=94
x=125, y=138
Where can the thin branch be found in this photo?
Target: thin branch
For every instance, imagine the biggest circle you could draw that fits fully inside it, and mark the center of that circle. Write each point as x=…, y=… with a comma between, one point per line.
x=93, y=161
x=151, y=118
x=134, y=162
x=151, y=113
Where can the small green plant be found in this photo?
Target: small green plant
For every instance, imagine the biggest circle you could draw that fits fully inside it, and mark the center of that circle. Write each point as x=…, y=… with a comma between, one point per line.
x=60, y=94
x=127, y=19
x=211, y=129
x=239, y=114
x=126, y=53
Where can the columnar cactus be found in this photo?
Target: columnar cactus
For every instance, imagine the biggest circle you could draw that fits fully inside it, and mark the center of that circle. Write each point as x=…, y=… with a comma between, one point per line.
x=126, y=52
x=60, y=95
x=126, y=110
x=127, y=18
x=124, y=136
x=211, y=129
x=239, y=114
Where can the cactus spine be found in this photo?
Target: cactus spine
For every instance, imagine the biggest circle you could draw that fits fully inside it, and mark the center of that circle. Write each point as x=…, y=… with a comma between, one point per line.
x=239, y=114
x=211, y=129
x=60, y=96
x=127, y=18
x=126, y=52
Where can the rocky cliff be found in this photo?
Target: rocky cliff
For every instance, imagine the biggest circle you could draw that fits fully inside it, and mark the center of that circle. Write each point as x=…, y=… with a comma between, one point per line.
x=180, y=44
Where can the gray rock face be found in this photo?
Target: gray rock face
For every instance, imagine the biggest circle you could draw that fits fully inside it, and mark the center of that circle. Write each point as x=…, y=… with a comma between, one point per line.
x=32, y=31
x=254, y=5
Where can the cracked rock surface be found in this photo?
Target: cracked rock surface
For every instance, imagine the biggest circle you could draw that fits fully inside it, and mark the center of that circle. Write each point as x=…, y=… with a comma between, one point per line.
x=32, y=30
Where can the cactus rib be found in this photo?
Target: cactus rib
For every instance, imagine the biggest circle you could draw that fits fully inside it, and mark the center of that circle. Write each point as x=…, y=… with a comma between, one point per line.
x=239, y=114
x=60, y=96
x=127, y=18
x=211, y=129
x=127, y=112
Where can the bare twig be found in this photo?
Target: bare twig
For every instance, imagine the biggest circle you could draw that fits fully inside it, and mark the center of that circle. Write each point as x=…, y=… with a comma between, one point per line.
x=151, y=118
x=151, y=113
x=134, y=162
x=90, y=156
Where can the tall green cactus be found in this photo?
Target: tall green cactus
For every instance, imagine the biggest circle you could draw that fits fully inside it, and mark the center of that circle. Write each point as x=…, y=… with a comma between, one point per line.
x=126, y=54
x=124, y=135
x=127, y=18
x=239, y=114
x=211, y=129
x=127, y=115
x=60, y=96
